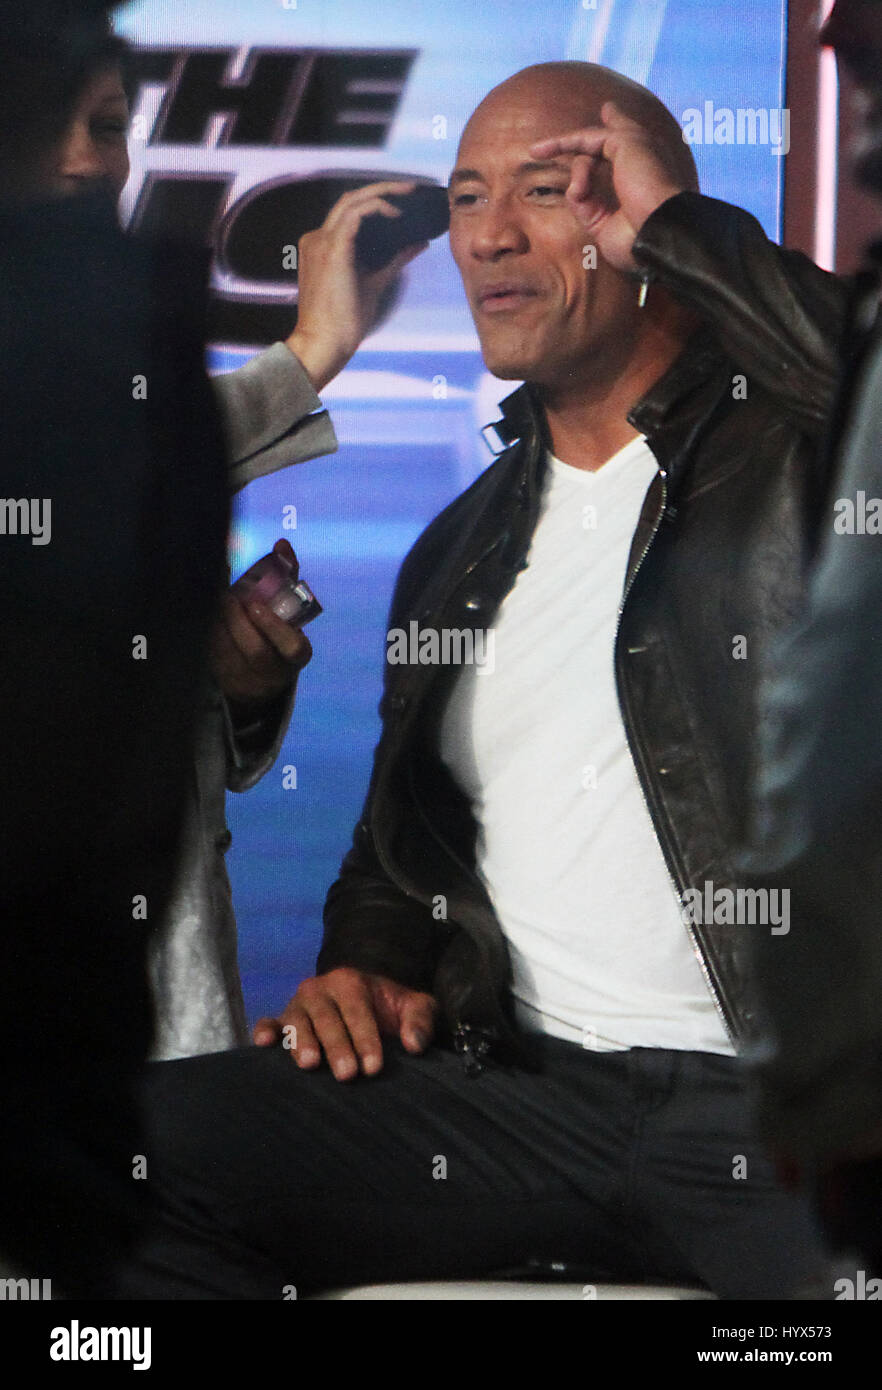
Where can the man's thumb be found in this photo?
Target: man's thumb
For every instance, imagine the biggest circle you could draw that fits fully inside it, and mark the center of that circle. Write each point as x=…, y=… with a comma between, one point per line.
x=417, y=1021
x=267, y=1032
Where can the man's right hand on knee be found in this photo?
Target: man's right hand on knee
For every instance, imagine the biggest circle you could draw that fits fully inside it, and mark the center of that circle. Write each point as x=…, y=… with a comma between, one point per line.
x=343, y=1014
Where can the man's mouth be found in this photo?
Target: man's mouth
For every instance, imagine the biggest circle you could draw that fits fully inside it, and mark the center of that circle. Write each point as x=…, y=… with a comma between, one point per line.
x=504, y=296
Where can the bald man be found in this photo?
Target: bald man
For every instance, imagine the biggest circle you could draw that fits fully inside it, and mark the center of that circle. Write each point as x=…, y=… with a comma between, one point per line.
x=531, y=984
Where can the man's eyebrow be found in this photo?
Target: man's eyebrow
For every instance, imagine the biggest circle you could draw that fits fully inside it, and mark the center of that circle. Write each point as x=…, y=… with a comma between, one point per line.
x=531, y=166
x=464, y=176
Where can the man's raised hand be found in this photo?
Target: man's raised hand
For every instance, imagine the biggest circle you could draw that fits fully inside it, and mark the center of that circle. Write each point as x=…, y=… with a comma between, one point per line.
x=343, y=1014
x=620, y=175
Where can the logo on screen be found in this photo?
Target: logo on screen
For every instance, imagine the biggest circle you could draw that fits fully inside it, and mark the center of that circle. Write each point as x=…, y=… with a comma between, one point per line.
x=335, y=100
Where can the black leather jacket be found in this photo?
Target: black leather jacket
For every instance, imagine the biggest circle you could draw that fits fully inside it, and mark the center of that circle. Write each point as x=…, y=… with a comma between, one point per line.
x=720, y=552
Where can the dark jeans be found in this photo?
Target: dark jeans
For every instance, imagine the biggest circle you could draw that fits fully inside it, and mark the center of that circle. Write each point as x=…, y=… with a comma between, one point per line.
x=633, y=1166
x=849, y=1200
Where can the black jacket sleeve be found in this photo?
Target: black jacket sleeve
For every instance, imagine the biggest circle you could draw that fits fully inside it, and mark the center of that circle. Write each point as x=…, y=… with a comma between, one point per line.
x=776, y=315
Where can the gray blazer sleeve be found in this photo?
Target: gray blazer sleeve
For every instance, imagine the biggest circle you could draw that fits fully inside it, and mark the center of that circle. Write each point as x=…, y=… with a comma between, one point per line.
x=272, y=419
x=272, y=416
x=251, y=751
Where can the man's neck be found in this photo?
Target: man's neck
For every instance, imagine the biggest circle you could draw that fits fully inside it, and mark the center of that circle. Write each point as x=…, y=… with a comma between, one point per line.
x=587, y=415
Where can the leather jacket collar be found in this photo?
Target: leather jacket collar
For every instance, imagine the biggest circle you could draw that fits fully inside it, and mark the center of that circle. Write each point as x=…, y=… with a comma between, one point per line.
x=676, y=407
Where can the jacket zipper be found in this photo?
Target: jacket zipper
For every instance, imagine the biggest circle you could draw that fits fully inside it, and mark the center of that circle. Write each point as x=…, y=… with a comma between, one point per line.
x=678, y=887
x=410, y=888
x=470, y=1043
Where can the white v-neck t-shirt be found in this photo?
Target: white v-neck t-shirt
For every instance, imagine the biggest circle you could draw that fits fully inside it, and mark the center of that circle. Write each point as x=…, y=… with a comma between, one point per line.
x=566, y=845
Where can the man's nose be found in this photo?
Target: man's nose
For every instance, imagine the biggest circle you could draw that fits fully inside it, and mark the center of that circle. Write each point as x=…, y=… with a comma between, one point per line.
x=497, y=231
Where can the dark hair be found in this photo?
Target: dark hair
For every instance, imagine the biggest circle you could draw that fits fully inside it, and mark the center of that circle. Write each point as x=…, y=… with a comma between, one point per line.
x=109, y=51
x=47, y=48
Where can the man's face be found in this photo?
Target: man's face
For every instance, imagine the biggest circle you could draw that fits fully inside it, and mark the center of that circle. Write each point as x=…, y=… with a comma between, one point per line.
x=93, y=148
x=540, y=312
x=854, y=30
